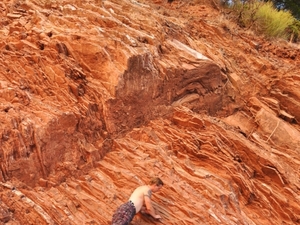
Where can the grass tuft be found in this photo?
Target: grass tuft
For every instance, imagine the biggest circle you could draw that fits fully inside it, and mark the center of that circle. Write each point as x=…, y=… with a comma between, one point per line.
x=264, y=18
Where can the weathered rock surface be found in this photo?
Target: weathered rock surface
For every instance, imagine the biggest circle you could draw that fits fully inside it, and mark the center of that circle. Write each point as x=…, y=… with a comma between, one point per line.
x=98, y=96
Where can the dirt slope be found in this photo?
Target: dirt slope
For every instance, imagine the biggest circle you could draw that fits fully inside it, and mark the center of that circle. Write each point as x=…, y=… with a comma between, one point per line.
x=96, y=97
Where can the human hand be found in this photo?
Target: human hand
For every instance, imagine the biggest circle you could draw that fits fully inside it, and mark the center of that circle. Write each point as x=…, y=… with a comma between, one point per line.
x=157, y=217
x=143, y=210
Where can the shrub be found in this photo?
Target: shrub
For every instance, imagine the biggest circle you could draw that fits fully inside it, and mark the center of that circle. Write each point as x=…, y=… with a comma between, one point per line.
x=271, y=22
x=265, y=19
x=294, y=31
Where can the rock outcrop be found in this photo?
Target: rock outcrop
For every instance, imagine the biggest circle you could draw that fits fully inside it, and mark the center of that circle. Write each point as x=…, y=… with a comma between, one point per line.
x=98, y=96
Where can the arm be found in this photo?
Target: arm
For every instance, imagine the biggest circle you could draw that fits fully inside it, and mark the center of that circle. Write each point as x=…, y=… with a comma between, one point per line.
x=149, y=208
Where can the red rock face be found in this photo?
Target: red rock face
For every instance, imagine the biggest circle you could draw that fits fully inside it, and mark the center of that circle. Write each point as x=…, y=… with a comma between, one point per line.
x=96, y=97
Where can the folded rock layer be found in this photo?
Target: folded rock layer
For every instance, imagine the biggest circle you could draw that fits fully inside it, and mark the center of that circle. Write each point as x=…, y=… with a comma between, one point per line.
x=97, y=97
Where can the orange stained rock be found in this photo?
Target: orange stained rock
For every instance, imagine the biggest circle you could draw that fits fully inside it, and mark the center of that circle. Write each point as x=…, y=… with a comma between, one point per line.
x=96, y=97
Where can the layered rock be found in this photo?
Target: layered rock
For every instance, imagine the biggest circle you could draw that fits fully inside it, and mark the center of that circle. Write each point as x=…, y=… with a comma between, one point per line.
x=68, y=90
x=97, y=97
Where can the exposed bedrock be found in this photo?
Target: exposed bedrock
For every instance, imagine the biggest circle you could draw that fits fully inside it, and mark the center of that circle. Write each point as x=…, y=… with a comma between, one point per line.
x=98, y=96
x=71, y=88
x=32, y=148
x=69, y=143
x=144, y=93
x=286, y=91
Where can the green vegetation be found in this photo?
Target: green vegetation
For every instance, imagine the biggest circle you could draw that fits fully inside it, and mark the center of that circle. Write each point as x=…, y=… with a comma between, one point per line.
x=273, y=23
x=265, y=19
x=294, y=31
x=291, y=5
